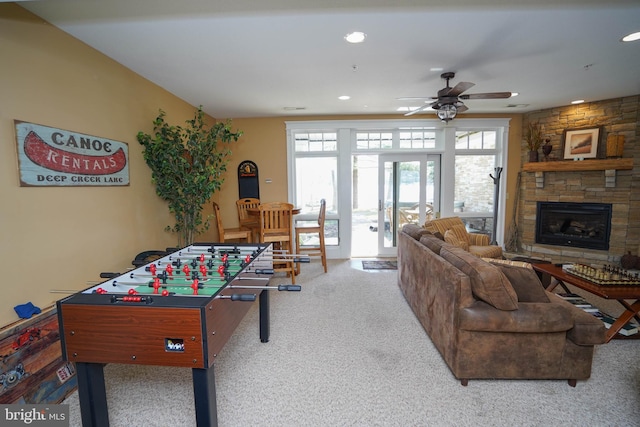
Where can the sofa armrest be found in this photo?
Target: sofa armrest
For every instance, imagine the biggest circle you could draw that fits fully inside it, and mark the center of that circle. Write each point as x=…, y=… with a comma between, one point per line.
x=478, y=239
x=530, y=317
x=587, y=329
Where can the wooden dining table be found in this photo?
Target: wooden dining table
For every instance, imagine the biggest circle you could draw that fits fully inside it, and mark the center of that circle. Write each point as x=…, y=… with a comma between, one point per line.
x=255, y=213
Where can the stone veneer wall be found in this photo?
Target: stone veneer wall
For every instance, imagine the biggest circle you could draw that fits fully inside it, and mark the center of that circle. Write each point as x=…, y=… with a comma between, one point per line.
x=621, y=116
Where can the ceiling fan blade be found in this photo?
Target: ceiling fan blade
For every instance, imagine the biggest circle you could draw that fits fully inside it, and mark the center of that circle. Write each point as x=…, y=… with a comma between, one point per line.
x=457, y=89
x=490, y=95
x=419, y=110
x=415, y=98
x=462, y=108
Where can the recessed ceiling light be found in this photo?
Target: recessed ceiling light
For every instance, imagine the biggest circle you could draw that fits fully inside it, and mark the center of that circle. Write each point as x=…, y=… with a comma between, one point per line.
x=355, y=37
x=631, y=37
x=578, y=101
x=438, y=69
x=514, y=94
x=344, y=97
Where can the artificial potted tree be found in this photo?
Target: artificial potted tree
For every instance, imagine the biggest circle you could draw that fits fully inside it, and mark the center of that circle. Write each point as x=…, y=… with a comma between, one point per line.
x=187, y=166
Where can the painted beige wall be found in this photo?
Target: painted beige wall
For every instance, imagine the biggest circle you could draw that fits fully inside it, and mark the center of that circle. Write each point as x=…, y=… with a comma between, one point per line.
x=61, y=238
x=56, y=237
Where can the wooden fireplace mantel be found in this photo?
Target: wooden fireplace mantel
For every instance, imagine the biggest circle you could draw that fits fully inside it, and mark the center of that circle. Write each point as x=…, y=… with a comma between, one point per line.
x=609, y=166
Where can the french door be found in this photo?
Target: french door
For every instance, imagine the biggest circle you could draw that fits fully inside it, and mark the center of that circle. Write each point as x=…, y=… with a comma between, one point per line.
x=408, y=192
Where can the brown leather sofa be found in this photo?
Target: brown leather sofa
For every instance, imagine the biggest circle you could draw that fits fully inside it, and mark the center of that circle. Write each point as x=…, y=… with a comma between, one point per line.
x=492, y=320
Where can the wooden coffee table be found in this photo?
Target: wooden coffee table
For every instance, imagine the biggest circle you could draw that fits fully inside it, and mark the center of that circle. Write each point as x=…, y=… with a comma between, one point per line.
x=618, y=293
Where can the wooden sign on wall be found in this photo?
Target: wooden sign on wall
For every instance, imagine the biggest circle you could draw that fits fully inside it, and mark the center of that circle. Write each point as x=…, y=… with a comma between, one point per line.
x=54, y=157
x=248, y=184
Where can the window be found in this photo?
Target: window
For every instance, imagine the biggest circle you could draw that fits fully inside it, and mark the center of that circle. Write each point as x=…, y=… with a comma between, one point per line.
x=476, y=159
x=316, y=178
x=404, y=139
x=374, y=140
x=475, y=139
x=318, y=141
x=417, y=139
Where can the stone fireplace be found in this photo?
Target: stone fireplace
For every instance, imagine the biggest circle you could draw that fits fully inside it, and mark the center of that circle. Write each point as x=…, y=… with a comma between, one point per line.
x=576, y=185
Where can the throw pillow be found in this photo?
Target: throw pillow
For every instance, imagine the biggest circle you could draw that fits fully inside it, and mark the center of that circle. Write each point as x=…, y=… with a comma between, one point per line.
x=488, y=283
x=462, y=234
x=525, y=282
x=451, y=238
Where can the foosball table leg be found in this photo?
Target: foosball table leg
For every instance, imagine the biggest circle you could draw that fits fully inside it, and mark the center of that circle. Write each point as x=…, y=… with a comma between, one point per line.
x=264, y=315
x=92, y=394
x=204, y=393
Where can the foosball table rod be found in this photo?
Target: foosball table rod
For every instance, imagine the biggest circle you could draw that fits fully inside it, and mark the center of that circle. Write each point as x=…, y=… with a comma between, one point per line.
x=295, y=288
x=289, y=258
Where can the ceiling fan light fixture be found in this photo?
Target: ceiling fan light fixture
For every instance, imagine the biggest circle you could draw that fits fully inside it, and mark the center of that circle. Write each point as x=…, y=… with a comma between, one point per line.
x=447, y=112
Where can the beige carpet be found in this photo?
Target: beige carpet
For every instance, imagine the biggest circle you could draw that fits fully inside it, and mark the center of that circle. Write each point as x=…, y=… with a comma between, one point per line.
x=348, y=351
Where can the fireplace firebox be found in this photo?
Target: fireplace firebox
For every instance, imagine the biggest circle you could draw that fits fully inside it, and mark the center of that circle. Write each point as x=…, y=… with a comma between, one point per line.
x=582, y=225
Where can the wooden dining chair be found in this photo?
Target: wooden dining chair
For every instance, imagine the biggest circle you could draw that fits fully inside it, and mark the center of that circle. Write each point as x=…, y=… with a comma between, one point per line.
x=230, y=233
x=315, y=249
x=275, y=224
x=247, y=221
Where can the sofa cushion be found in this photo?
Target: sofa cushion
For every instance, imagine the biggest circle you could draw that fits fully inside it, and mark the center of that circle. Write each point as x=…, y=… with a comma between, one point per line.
x=432, y=242
x=414, y=230
x=488, y=283
x=439, y=235
x=525, y=282
x=491, y=251
x=451, y=237
x=528, y=318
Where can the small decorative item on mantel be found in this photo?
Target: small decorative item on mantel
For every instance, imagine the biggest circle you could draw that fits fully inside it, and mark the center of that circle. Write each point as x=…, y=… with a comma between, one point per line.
x=615, y=145
x=533, y=137
x=546, y=149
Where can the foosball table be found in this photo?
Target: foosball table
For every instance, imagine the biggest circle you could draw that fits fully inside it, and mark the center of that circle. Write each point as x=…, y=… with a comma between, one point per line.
x=178, y=310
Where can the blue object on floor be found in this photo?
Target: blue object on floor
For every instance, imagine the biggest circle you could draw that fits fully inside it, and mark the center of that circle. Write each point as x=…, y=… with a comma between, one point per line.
x=25, y=311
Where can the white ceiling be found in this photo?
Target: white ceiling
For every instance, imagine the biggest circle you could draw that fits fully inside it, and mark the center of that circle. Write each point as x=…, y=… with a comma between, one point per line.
x=258, y=58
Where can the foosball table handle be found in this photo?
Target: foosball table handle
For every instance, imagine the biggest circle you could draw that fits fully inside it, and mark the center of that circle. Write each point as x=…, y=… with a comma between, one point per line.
x=289, y=288
x=243, y=297
x=108, y=275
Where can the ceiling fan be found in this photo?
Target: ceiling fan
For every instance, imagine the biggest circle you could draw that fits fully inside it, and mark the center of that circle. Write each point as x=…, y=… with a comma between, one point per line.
x=447, y=104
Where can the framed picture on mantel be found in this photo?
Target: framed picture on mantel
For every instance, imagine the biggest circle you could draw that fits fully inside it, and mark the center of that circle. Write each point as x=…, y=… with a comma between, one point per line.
x=581, y=143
